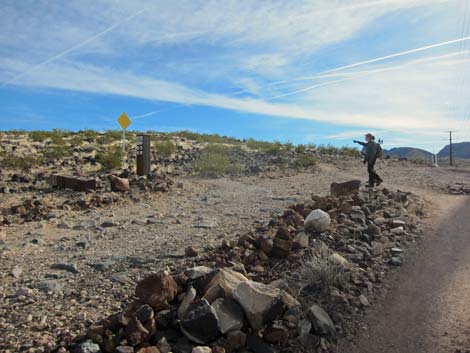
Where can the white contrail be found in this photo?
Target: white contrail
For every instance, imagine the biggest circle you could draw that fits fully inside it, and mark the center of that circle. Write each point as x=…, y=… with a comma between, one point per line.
x=322, y=74
x=75, y=47
x=366, y=73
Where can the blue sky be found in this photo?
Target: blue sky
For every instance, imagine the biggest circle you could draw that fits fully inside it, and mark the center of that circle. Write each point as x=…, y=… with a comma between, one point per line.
x=298, y=71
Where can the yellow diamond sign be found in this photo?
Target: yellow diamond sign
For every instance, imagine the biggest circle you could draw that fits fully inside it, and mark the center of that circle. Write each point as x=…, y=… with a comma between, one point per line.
x=124, y=121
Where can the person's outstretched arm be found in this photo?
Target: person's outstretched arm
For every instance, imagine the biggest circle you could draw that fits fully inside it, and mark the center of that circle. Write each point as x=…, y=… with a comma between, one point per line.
x=359, y=142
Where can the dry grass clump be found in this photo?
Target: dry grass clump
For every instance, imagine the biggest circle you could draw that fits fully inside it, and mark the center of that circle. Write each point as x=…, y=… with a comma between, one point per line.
x=324, y=268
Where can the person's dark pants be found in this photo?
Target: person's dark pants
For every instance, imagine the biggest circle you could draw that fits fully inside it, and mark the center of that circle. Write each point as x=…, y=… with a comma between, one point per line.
x=373, y=176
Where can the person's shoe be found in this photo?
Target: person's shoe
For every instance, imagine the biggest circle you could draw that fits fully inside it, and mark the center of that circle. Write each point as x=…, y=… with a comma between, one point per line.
x=380, y=181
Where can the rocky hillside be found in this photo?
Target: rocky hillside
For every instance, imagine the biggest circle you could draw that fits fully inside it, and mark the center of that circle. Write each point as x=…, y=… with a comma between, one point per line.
x=408, y=153
x=460, y=150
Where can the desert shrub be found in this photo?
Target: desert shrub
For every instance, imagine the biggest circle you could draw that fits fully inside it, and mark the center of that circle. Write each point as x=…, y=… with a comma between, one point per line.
x=328, y=149
x=76, y=140
x=350, y=152
x=9, y=160
x=288, y=146
x=38, y=136
x=56, y=152
x=111, y=136
x=56, y=136
x=300, y=149
x=214, y=160
x=88, y=135
x=110, y=158
x=305, y=161
x=206, y=138
x=323, y=269
x=164, y=148
x=273, y=148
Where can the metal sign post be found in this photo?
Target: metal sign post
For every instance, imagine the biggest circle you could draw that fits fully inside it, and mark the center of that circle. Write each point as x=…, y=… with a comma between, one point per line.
x=143, y=154
x=124, y=121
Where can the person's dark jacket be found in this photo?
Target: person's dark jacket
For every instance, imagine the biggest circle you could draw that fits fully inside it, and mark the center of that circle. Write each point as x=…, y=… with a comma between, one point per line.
x=370, y=151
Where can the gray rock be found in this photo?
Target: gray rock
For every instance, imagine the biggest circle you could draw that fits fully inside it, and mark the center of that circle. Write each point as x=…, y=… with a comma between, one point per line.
x=261, y=303
x=49, y=286
x=120, y=277
x=317, y=221
x=300, y=241
x=87, y=347
x=197, y=272
x=200, y=323
x=186, y=302
x=230, y=314
x=16, y=271
x=377, y=249
x=69, y=267
x=321, y=321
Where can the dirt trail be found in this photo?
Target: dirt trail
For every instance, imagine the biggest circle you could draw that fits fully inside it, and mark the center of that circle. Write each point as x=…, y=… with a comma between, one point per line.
x=427, y=310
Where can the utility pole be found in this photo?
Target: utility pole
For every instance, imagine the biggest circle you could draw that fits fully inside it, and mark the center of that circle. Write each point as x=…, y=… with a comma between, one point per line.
x=451, y=157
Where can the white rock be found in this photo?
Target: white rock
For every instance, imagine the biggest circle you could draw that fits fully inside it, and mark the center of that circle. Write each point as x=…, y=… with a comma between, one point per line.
x=318, y=221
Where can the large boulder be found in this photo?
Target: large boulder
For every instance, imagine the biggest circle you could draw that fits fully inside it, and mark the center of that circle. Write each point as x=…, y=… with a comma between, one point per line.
x=200, y=323
x=321, y=321
x=317, y=221
x=157, y=290
x=261, y=303
x=230, y=314
x=222, y=284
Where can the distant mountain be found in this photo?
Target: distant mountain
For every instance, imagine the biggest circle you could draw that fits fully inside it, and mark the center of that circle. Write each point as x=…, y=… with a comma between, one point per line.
x=460, y=150
x=408, y=152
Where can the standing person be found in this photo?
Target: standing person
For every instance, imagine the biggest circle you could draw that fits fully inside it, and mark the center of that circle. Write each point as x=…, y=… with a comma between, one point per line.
x=370, y=157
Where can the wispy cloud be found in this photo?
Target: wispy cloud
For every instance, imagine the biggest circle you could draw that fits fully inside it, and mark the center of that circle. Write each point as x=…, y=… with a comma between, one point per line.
x=242, y=56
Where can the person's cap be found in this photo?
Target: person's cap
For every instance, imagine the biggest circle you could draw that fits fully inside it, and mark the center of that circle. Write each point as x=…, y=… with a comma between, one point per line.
x=369, y=135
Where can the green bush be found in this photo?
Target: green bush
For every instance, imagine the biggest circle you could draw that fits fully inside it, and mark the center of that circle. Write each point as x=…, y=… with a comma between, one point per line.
x=20, y=162
x=165, y=148
x=300, y=149
x=214, y=160
x=305, y=161
x=111, y=158
x=56, y=152
x=76, y=140
x=273, y=148
x=111, y=136
x=206, y=138
x=38, y=136
x=350, y=152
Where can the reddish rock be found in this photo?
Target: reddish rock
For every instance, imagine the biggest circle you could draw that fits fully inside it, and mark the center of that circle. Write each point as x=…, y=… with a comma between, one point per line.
x=157, y=290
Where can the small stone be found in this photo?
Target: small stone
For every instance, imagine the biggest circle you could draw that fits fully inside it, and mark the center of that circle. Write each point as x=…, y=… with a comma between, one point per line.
x=189, y=297
x=151, y=349
x=16, y=271
x=124, y=349
x=397, y=230
x=276, y=334
x=163, y=345
x=300, y=241
x=191, y=251
x=87, y=347
x=363, y=300
x=321, y=321
x=69, y=267
x=235, y=340
x=202, y=349
x=119, y=184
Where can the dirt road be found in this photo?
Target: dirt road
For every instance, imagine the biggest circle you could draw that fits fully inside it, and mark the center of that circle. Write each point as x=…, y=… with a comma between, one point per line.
x=427, y=309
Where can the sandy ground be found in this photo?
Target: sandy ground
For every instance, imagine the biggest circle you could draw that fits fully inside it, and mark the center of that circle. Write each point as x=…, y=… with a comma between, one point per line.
x=426, y=307
x=202, y=213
